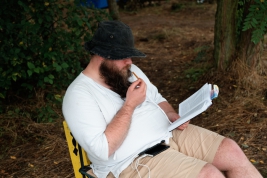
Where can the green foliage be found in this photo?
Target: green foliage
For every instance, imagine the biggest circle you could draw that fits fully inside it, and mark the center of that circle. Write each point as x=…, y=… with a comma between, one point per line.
x=201, y=53
x=175, y=7
x=239, y=18
x=256, y=20
x=42, y=45
x=195, y=73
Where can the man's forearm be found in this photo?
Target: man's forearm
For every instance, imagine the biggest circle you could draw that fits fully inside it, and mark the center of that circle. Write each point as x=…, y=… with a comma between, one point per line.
x=172, y=115
x=168, y=109
x=117, y=129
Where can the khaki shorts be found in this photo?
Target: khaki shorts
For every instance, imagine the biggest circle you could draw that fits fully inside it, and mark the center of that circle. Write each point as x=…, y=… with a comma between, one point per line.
x=189, y=151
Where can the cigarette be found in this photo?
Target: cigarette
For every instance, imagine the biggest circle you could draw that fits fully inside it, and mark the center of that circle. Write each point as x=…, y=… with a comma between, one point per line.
x=135, y=75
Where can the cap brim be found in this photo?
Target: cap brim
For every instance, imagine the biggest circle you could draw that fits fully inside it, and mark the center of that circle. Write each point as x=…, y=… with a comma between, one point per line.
x=113, y=53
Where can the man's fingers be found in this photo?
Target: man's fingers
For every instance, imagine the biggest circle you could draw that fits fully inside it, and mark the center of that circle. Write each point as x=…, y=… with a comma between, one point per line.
x=135, y=84
x=183, y=126
x=138, y=84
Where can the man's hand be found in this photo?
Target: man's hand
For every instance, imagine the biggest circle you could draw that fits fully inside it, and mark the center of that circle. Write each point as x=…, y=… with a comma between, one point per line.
x=172, y=115
x=136, y=93
x=118, y=128
x=183, y=126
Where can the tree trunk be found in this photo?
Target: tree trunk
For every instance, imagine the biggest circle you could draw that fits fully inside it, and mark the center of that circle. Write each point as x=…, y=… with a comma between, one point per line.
x=113, y=9
x=248, y=52
x=233, y=48
x=225, y=33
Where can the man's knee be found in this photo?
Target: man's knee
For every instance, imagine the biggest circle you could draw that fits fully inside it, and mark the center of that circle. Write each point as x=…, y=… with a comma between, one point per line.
x=231, y=148
x=210, y=171
x=229, y=155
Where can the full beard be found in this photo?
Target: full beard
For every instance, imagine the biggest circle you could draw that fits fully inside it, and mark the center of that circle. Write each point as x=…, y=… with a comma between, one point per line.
x=115, y=78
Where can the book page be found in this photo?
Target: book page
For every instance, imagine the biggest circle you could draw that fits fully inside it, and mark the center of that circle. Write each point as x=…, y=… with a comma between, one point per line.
x=194, y=100
x=189, y=115
x=193, y=106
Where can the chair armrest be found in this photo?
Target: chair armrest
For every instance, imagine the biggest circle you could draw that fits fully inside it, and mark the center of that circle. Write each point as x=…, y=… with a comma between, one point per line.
x=83, y=170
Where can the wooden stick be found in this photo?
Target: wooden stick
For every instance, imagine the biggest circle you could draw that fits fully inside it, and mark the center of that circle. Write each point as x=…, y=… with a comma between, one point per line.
x=135, y=75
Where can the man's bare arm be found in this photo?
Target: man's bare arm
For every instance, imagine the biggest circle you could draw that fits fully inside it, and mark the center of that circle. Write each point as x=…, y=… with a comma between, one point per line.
x=172, y=114
x=168, y=109
x=118, y=128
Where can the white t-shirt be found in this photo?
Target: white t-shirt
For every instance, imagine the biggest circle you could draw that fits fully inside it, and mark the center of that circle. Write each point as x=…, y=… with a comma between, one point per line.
x=88, y=108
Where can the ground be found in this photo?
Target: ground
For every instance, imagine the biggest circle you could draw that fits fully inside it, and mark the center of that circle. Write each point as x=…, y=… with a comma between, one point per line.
x=178, y=41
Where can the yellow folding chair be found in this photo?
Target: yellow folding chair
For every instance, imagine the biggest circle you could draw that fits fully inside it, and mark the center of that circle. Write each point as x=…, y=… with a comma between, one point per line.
x=79, y=159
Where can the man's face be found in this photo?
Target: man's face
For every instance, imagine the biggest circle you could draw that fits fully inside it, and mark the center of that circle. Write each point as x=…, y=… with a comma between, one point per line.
x=116, y=74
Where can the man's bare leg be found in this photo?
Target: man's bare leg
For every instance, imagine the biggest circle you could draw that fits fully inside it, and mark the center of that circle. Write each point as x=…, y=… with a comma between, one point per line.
x=231, y=159
x=210, y=171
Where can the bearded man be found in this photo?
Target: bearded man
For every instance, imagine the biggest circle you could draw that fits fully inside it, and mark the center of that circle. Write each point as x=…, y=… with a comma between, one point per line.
x=116, y=116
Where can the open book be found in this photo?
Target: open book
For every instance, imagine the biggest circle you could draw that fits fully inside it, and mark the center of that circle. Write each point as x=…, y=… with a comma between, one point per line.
x=195, y=104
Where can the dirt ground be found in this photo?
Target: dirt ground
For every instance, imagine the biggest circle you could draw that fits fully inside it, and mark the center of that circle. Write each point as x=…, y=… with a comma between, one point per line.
x=178, y=41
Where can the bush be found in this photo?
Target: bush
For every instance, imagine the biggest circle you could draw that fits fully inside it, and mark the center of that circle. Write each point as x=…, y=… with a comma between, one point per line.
x=42, y=46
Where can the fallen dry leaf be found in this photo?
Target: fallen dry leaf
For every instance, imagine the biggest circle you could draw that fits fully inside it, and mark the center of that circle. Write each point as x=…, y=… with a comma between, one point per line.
x=252, y=160
x=30, y=165
x=13, y=157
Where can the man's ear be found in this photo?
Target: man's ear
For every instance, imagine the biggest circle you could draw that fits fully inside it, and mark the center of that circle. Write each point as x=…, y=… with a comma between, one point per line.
x=101, y=59
x=97, y=59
